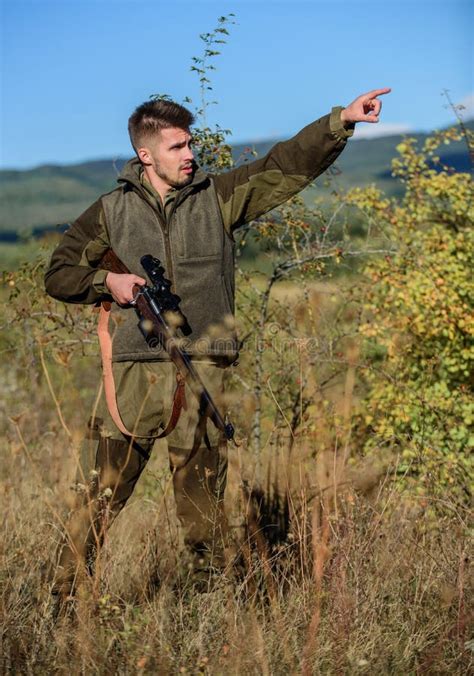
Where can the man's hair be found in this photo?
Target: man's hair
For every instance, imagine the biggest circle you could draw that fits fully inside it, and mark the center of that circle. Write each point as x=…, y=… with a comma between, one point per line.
x=153, y=116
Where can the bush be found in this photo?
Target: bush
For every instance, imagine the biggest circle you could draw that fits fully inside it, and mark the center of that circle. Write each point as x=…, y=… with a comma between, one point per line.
x=418, y=323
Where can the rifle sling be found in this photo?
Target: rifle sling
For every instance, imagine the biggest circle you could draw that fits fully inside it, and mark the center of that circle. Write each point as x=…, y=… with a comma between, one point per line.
x=105, y=342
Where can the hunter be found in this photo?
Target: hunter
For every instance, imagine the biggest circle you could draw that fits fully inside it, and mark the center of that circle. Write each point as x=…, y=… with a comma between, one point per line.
x=167, y=206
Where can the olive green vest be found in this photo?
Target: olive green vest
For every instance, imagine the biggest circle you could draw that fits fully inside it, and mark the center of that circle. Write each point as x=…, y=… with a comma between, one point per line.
x=197, y=254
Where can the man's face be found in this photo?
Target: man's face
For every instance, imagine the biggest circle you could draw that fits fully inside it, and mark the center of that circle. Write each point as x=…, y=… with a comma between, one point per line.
x=169, y=154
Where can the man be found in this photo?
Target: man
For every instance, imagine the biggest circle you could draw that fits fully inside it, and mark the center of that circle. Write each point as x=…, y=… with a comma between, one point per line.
x=167, y=206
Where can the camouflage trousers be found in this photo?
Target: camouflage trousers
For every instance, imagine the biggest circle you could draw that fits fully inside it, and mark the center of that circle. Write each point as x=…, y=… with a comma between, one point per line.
x=112, y=463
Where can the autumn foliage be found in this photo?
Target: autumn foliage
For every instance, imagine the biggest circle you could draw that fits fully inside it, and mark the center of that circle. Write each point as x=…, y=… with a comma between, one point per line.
x=418, y=323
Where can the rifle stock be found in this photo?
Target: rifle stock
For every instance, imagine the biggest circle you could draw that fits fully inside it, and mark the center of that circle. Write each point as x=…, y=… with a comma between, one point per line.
x=111, y=262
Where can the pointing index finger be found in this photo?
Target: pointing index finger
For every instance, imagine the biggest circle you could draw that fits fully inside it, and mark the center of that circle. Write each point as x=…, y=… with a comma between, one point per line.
x=377, y=92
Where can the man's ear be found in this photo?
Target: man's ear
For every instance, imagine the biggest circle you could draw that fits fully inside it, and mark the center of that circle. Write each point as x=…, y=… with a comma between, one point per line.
x=144, y=156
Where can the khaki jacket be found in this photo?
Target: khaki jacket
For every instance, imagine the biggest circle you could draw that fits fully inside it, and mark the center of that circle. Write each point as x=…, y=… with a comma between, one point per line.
x=193, y=239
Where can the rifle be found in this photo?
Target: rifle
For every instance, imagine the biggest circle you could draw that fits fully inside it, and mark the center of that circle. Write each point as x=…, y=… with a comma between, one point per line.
x=155, y=306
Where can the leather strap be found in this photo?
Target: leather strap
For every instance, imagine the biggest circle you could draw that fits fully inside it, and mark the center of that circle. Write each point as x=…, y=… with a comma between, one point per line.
x=179, y=402
x=105, y=342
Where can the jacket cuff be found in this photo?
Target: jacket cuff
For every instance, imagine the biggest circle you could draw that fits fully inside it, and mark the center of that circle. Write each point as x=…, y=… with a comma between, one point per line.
x=98, y=282
x=337, y=127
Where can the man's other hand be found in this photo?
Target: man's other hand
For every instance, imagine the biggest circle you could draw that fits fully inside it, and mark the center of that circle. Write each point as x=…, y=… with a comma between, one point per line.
x=121, y=287
x=365, y=108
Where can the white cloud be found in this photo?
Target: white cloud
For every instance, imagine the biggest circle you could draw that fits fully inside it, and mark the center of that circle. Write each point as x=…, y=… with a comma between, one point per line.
x=374, y=129
x=467, y=113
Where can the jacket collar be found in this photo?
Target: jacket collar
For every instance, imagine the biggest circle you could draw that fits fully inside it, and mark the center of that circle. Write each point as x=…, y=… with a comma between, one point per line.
x=131, y=174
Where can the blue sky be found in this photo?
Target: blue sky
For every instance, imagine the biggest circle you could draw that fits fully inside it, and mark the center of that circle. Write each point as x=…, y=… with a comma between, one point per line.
x=74, y=70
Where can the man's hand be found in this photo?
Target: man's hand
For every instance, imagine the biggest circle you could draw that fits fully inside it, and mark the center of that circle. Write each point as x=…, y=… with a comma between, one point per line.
x=365, y=108
x=121, y=286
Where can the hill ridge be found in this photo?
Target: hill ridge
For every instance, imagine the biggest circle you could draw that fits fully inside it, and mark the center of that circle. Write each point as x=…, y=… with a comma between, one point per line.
x=36, y=199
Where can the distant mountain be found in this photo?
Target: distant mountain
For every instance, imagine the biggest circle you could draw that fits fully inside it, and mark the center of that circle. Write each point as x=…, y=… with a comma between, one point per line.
x=37, y=199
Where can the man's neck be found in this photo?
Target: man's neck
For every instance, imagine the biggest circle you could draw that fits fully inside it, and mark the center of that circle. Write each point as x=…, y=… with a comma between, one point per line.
x=157, y=183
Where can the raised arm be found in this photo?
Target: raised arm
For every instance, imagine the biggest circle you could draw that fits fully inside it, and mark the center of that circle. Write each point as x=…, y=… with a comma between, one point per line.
x=253, y=189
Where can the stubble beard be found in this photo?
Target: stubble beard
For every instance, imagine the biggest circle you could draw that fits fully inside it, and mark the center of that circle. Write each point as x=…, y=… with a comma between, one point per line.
x=174, y=183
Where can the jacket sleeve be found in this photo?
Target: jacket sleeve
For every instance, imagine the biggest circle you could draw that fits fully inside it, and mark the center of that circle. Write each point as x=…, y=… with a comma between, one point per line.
x=73, y=275
x=253, y=189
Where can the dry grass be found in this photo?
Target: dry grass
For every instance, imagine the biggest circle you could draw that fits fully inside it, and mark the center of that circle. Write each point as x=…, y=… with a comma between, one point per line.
x=337, y=572
x=369, y=587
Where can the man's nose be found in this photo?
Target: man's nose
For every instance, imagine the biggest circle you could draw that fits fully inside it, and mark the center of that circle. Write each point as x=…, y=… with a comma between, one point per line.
x=188, y=155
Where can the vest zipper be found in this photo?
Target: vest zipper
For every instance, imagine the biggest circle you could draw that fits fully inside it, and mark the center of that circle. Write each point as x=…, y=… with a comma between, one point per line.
x=169, y=262
x=167, y=239
x=164, y=229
